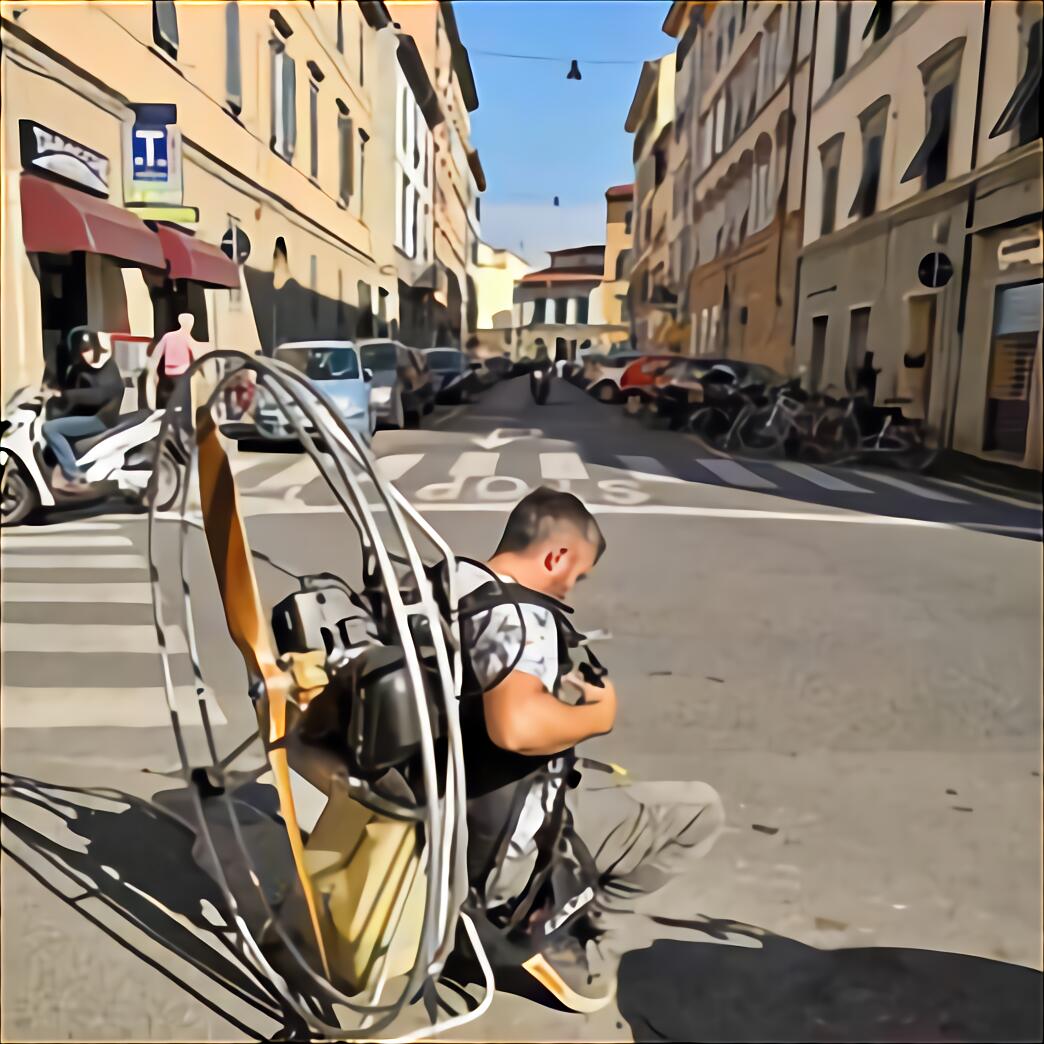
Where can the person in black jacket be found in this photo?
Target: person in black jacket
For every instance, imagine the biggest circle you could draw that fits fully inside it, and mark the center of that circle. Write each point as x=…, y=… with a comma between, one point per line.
x=92, y=404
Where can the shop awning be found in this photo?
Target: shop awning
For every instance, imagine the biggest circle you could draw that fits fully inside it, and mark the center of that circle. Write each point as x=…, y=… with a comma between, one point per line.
x=61, y=220
x=190, y=258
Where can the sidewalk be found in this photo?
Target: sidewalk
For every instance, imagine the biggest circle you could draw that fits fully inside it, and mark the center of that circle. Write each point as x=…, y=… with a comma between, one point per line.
x=1022, y=483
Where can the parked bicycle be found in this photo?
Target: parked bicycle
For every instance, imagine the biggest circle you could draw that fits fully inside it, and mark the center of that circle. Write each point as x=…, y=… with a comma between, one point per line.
x=881, y=434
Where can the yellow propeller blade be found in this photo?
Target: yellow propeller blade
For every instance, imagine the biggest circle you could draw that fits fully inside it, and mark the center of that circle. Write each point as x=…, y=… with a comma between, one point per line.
x=234, y=568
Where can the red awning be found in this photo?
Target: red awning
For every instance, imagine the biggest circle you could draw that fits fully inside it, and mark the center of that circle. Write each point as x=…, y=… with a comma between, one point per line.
x=191, y=258
x=60, y=220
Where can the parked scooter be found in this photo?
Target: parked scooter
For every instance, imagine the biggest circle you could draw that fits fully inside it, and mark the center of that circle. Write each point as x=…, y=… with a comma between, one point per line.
x=117, y=462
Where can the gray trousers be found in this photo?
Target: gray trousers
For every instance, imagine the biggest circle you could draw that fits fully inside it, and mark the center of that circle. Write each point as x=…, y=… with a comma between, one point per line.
x=641, y=836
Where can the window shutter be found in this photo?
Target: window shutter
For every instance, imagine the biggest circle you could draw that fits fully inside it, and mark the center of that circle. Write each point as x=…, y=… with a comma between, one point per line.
x=1027, y=89
x=289, y=106
x=939, y=122
x=233, y=70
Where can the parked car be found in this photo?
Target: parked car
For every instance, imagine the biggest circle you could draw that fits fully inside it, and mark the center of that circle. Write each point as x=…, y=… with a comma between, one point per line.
x=639, y=377
x=454, y=374
x=336, y=368
x=495, y=368
x=402, y=388
x=603, y=374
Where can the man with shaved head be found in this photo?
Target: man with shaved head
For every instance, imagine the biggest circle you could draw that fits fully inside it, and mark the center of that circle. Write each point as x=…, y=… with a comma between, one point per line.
x=528, y=869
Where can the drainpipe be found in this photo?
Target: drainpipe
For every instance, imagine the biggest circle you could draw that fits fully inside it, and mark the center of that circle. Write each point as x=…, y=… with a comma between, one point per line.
x=969, y=223
x=781, y=208
x=804, y=172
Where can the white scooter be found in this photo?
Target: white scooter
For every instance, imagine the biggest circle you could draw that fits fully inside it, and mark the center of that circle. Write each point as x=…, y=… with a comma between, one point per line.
x=117, y=461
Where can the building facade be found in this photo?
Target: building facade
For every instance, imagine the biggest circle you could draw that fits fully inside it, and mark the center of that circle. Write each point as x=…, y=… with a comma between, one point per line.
x=458, y=177
x=650, y=119
x=609, y=302
x=922, y=237
x=553, y=310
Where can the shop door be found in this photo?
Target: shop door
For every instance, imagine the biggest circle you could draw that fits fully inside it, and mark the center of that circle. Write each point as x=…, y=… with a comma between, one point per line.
x=63, y=307
x=1013, y=348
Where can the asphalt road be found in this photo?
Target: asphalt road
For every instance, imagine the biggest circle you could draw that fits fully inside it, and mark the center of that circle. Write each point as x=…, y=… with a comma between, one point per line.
x=851, y=658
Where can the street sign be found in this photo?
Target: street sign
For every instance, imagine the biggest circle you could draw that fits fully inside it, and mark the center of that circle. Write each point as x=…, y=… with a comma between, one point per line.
x=149, y=153
x=152, y=158
x=935, y=270
x=236, y=245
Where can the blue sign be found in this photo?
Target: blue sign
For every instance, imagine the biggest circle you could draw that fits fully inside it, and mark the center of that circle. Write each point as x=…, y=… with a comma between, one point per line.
x=149, y=153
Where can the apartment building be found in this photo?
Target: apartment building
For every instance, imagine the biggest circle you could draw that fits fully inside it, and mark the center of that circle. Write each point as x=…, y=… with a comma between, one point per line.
x=652, y=303
x=237, y=185
x=458, y=177
x=610, y=302
x=747, y=165
x=922, y=235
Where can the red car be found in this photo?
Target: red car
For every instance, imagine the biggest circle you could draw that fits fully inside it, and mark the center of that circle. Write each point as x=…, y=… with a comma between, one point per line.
x=641, y=376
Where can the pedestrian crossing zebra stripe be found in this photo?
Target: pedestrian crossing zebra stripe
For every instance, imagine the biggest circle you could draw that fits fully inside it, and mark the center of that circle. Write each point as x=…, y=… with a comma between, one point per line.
x=17, y=560
x=104, y=639
x=16, y=541
x=17, y=592
x=735, y=474
x=648, y=469
x=925, y=492
x=823, y=479
x=31, y=707
x=562, y=467
x=475, y=464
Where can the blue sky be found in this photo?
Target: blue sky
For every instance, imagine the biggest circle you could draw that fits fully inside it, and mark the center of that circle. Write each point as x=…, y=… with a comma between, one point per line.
x=541, y=135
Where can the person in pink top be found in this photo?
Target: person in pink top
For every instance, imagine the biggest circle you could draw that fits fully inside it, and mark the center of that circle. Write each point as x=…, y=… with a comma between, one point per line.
x=172, y=356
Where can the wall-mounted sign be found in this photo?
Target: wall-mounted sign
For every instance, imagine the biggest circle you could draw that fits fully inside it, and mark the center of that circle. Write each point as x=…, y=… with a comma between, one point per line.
x=236, y=245
x=152, y=158
x=46, y=150
x=935, y=270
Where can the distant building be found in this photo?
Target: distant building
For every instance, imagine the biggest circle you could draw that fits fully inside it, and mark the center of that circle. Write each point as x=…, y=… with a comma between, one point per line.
x=495, y=276
x=609, y=302
x=553, y=305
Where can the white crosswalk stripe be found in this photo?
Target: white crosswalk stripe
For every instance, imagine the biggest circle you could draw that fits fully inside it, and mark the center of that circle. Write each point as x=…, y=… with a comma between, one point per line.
x=557, y=466
x=648, y=469
x=116, y=594
x=21, y=561
x=96, y=647
x=475, y=465
x=824, y=479
x=734, y=473
x=16, y=541
x=926, y=492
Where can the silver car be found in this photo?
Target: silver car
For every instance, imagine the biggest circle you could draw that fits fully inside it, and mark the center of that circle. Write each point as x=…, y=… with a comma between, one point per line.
x=338, y=372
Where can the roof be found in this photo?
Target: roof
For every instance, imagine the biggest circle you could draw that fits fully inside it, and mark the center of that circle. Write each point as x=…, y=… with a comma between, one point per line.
x=476, y=169
x=620, y=191
x=375, y=13
x=416, y=74
x=647, y=83
x=563, y=275
x=461, y=62
x=593, y=248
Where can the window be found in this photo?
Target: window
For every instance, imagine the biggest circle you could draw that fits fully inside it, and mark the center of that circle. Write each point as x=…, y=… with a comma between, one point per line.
x=362, y=48
x=582, y=305
x=340, y=27
x=1013, y=349
x=233, y=68
x=743, y=15
x=561, y=308
x=165, y=26
x=842, y=31
x=539, y=309
x=732, y=33
x=719, y=125
x=1023, y=108
x=880, y=20
x=873, y=123
x=620, y=270
x=628, y=217
x=346, y=149
x=284, y=101
x=717, y=54
x=931, y=159
x=818, y=356
x=830, y=158
x=858, y=336
x=404, y=117
x=313, y=129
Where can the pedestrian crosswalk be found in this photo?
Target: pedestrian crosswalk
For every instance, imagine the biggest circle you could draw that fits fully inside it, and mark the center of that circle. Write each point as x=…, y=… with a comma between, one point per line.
x=781, y=477
x=81, y=650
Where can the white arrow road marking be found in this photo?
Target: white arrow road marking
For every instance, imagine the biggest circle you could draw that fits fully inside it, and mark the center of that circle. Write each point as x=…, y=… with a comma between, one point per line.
x=648, y=469
x=562, y=466
x=502, y=436
x=475, y=465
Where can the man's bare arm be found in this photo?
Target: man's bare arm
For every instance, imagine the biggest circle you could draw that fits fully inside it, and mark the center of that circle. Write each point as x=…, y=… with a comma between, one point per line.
x=522, y=716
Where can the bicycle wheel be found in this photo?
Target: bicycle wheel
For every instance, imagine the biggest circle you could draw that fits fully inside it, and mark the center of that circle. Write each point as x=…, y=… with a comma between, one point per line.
x=710, y=424
x=835, y=437
x=760, y=432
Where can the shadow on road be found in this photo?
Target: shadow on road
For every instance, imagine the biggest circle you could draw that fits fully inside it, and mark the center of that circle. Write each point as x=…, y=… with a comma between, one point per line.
x=758, y=986
x=782, y=990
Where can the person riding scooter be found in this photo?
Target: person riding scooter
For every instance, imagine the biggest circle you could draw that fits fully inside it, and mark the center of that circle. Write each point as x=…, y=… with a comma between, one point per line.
x=540, y=378
x=89, y=405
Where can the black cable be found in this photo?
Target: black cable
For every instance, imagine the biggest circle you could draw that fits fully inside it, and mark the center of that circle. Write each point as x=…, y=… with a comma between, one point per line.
x=551, y=58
